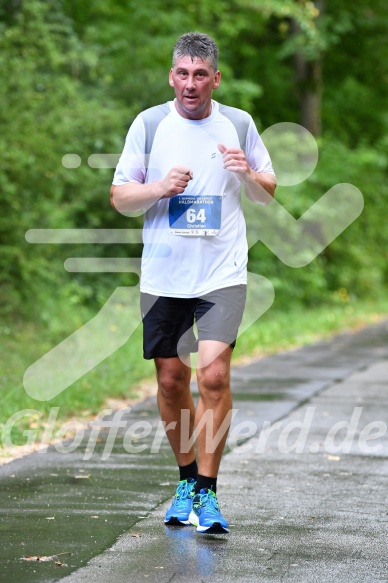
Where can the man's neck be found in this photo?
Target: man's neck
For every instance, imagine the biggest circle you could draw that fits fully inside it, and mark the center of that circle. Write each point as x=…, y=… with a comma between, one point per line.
x=192, y=115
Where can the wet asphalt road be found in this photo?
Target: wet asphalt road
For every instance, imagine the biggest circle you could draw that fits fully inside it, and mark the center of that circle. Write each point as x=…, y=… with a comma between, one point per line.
x=317, y=513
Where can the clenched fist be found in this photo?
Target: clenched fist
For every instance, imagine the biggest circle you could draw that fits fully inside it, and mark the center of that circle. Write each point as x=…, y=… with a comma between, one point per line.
x=176, y=181
x=235, y=161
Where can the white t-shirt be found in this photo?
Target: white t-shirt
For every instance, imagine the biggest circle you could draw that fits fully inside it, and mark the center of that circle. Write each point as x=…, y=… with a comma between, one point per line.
x=190, y=266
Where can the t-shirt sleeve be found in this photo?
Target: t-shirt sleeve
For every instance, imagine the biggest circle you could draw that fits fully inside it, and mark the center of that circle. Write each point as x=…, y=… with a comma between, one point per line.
x=131, y=166
x=256, y=152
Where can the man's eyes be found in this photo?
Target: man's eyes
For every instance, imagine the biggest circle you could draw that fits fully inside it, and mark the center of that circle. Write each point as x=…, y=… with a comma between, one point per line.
x=200, y=74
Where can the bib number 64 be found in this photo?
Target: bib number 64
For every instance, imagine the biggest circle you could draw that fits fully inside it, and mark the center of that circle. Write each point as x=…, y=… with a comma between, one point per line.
x=193, y=216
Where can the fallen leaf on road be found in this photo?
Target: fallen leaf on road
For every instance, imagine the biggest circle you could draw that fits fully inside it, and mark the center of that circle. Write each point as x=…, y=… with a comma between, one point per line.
x=40, y=558
x=44, y=558
x=136, y=534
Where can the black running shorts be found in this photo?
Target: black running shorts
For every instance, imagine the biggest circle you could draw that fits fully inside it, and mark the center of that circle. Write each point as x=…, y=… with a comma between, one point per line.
x=168, y=323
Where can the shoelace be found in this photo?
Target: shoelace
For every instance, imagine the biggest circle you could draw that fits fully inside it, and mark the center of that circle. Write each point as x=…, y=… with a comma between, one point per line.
x=210, y=500
x=183, y=492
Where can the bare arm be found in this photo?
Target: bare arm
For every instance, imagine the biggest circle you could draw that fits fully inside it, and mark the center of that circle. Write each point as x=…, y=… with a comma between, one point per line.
x=259, y=186
x=134, y=196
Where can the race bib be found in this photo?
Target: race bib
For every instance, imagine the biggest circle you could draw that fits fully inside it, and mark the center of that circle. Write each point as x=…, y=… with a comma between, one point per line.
x=195, y=215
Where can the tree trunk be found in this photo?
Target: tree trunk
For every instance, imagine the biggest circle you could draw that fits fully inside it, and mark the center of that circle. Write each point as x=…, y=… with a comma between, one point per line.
x=309, y=84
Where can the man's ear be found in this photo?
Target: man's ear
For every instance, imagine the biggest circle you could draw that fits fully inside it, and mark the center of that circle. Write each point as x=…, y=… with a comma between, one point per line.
x=170, y=79
x=217, y=79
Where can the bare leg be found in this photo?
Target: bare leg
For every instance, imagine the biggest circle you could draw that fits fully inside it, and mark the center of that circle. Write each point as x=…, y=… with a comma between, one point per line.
x=215, y=400
x=174, y=395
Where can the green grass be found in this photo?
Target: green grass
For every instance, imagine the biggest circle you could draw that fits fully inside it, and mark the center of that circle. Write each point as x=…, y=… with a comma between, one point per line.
x=280, y=330
x=118, y=375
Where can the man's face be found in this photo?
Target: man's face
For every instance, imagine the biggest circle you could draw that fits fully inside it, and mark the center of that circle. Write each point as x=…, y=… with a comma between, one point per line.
x=193, y=82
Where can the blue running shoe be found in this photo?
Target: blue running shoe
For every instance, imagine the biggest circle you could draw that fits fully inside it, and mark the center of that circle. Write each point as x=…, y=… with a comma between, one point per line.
x=182, y=503
x=206, y=514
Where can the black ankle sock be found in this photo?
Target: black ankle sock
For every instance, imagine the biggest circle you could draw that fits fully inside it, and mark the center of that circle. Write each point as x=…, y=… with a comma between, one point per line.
x=189, y=471
x=205, y=483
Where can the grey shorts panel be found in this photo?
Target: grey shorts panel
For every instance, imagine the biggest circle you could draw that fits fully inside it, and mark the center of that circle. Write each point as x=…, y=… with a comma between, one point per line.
x=168, y=322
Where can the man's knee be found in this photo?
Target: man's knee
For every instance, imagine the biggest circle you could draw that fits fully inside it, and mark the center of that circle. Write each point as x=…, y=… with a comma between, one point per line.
x=214, y=379
x=173, y=377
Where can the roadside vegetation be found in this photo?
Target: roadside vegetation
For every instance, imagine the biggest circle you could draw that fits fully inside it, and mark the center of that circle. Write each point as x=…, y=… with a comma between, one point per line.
x=74, y=76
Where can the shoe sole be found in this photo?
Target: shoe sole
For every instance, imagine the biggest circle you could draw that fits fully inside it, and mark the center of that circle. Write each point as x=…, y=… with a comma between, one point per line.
x=215, y=528
x=174, y=521
x=193, y=518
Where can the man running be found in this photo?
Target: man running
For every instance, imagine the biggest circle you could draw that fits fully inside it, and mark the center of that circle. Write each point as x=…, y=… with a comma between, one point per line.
x=184, y=163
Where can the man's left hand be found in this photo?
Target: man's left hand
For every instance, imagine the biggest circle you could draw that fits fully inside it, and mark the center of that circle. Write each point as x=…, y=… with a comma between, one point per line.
x=259, y=186
x=235, y=161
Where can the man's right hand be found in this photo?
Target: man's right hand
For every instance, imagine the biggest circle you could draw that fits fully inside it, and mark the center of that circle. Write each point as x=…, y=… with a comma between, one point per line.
x=134, y=196
x=176, y=181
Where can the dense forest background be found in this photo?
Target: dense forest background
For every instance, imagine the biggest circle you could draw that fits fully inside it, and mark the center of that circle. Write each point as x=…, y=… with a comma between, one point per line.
x=75, y=73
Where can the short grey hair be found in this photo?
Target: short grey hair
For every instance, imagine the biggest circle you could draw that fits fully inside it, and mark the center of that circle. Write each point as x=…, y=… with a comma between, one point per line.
x=196, y=44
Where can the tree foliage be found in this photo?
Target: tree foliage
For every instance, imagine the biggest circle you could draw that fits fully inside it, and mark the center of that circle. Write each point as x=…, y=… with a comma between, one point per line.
x=74, y=75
